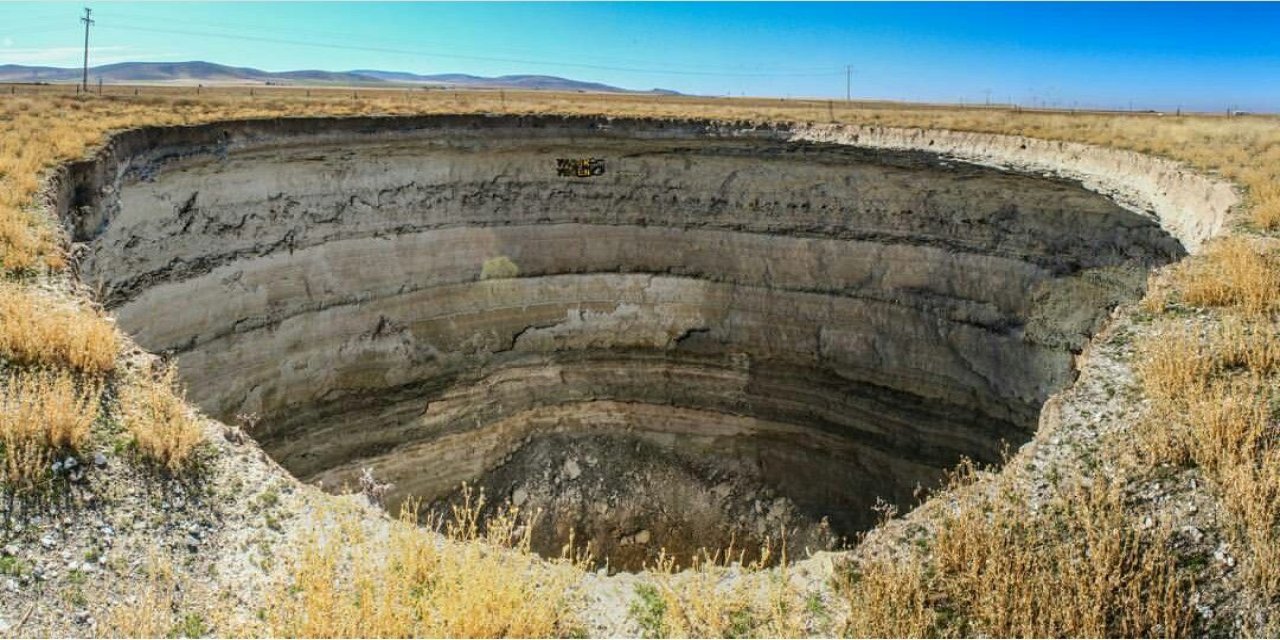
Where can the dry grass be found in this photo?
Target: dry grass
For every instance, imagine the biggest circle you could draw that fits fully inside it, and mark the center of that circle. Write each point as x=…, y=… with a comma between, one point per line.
x=997, y=566
x=36, y=329
x=346, y=581
x=888, y=599
x=1234, y=272
x=710, y=600
x=151, y=613
x=42, y=414
x=164, y=428
x=1218, y=412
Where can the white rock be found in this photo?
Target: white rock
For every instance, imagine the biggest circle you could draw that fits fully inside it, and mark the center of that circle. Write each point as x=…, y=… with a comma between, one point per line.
x=572, y=469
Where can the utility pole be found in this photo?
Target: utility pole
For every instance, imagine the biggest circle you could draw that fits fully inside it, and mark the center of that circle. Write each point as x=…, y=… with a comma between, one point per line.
x=87, y=20
x=848, y=83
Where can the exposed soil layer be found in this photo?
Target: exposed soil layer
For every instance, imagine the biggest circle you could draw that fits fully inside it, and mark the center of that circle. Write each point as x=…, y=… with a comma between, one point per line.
x=744, y=330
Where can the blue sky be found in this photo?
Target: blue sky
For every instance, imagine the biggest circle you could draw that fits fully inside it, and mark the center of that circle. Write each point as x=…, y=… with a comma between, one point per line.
x=1154, y=55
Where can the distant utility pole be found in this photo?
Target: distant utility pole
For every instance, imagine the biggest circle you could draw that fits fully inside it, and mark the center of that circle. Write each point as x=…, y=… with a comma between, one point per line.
x=87, y=20
x=848, y=83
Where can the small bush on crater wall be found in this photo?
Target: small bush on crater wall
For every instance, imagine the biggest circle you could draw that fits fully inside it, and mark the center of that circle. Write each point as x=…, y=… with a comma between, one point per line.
x=162, y=426
x=499, y=267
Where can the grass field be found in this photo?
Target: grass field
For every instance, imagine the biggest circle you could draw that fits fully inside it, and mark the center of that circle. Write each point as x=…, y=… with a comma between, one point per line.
x=996, y=566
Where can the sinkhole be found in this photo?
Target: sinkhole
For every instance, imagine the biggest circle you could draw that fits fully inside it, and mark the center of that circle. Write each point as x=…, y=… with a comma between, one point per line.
x=656, y=334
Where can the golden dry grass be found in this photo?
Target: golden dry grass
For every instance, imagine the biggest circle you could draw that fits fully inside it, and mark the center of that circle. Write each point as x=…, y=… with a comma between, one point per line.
x=997, y=566
x=709, y=600
x=888, y=599
x=164, y=428
x=1233, y=272
x=37, y=329
x=151, y=614
x=42, y=414
x=346, y=581
x=1214, y=388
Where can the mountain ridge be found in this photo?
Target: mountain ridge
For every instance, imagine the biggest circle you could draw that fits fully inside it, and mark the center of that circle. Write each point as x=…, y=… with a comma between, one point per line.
x=202, y=72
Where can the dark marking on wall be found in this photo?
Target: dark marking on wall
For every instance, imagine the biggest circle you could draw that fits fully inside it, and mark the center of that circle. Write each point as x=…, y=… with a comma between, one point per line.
x=579, y=167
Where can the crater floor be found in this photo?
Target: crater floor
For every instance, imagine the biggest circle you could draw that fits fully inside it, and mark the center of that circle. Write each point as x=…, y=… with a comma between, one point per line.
x=725, y=334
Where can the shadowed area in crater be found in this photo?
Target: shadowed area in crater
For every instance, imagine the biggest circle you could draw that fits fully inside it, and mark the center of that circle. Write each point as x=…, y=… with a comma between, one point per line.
x=724, y=335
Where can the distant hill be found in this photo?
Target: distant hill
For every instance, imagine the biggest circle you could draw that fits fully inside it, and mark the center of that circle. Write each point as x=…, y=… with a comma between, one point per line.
x=198, y=72
x=464, y=80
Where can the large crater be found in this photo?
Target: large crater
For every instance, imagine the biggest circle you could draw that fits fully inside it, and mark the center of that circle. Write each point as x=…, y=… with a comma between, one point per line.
x=727, y=333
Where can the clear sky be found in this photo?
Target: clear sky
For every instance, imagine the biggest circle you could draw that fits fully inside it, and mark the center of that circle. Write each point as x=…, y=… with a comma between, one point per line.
x=1152, y=55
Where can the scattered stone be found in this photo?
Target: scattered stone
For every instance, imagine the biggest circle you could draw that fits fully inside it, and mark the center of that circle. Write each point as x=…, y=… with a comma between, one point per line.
x=642, y=537
x=571, y=469
x=100, y=459
x=193, y=544
x=83, y=618
x=374, y=492
x=777, y=509
x=47, y=541
x=519, y=496
x=70, y=462
x=1225, y=558
x=722, y=490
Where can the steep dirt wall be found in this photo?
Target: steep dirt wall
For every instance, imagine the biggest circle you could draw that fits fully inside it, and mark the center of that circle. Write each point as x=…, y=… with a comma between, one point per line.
x=824, y=316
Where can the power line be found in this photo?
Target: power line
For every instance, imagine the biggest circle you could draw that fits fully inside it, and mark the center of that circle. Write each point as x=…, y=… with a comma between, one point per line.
x=35, y=27
x=87, y=20
x=424, y=53
x=513, y=52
